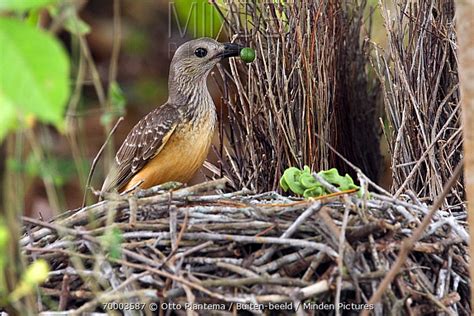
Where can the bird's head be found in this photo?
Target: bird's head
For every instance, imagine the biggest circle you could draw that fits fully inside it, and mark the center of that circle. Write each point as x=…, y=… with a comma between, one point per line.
x=194, y=59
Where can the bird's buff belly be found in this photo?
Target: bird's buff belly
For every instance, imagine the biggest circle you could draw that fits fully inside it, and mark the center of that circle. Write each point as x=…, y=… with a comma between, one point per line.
x=180, y=158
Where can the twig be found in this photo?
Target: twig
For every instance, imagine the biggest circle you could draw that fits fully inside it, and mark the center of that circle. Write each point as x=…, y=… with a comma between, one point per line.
x=96, y=160
x=302, y=218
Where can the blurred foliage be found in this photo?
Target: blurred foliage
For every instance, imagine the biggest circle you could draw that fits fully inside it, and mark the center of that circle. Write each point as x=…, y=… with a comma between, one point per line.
x=145, y=90
x=61, y=170
x=72, y=22
x=23, y=5
x=302, y=182
x=34, y=87
x=118, y=102
x=111, y=241
x=198, y=18
x=35, y=274
x=34, y=81
x=137, y=41
x=4, y=238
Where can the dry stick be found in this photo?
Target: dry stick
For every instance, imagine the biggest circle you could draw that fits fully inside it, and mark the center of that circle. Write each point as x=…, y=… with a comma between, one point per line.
x=299, y=221
x=96, y=159
x=340, y=260
x=409, y=242
x=177, y=239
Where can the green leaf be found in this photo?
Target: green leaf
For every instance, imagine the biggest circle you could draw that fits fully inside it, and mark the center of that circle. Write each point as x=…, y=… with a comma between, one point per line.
x=8, y=114
x=23, y=5
x=308, y=181
x=33, y=17
x=283, y=184
x=107, y=118
x=117, y=97
x=314, y=192
x=343, y=183
x=34, y=76
x=291, y=176
x=332, y=176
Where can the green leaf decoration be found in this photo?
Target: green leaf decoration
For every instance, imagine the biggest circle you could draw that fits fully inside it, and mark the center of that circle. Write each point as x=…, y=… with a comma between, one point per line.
x=303, y=183
x=291, y=180
x=23, y=5
x=312, y=192
x=343, y=183
x=34, y=76
x=308, y=181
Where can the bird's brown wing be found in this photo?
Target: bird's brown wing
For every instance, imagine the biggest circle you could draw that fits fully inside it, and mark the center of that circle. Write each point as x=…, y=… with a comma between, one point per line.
x=145, y=141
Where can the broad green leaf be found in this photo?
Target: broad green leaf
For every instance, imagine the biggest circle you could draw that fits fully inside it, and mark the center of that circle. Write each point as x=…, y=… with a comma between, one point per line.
x=308, y=181
x=34, y=76
x=283, y=184
x=343, y=183
x=9, y=118
x=314, y=192
x=332, y=176
x=23, y=5
x=291, y=178
x=33, y=17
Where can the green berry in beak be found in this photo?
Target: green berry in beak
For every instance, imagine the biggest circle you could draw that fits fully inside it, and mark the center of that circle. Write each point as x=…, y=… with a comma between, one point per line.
x=247, y=54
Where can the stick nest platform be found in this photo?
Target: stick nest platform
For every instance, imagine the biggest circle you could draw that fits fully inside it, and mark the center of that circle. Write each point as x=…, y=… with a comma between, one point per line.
x=206, y=251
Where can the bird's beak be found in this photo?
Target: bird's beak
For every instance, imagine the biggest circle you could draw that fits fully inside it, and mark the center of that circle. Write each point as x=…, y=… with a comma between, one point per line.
x=230, y=50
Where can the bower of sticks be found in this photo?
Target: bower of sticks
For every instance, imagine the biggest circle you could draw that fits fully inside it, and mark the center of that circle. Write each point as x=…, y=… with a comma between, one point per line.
x=207, y=251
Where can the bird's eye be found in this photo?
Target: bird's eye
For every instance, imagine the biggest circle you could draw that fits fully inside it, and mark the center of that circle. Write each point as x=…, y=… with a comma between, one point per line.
x=200, y=52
